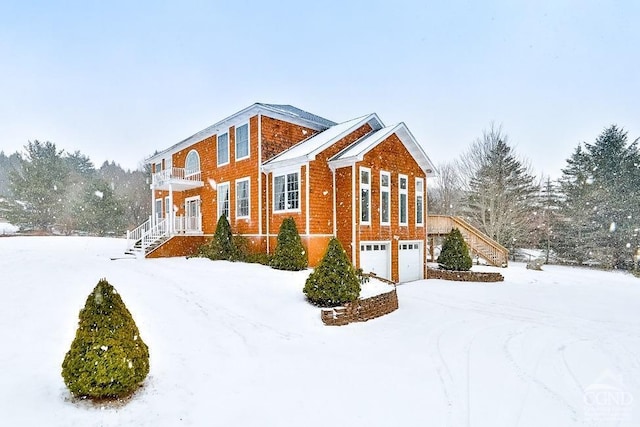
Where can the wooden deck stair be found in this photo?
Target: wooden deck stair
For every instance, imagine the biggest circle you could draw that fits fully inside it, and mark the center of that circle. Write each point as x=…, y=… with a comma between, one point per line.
x=479, y=243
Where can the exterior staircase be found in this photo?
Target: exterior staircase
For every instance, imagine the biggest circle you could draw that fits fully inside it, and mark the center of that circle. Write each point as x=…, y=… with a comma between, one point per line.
x=479, y=243
x=146, y=237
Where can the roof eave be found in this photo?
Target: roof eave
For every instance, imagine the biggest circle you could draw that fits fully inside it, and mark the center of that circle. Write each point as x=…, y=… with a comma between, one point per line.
x=250, y=111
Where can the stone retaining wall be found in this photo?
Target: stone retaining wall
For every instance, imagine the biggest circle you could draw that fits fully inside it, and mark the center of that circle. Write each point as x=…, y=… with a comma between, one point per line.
x=464, y=276
x=361, y=310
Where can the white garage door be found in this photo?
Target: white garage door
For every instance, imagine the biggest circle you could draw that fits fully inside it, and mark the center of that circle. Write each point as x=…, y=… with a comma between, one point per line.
x=375, y=258
x=410, y=264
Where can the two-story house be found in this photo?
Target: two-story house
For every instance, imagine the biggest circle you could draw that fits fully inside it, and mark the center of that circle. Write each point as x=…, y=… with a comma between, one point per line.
x=358, y=180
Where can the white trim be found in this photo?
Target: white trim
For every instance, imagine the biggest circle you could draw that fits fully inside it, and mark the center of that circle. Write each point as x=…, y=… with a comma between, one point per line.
x=239, y=117
x=186, y=174
x=402, y=192
x=353, y=215
x=335, y=214
x=258, y=162
x=248, y=181
x=388, y=249
x=388, y=190
x=218, y=149
x=285, y=173
x=156, y=217
x=218, y=211
x=422, y=252
x=166, y=207
x=421, y=217
x=363, y=187
x=306, y=191
x=356, y=151
x=268, y=215
x=235, y=141
x=186, y=213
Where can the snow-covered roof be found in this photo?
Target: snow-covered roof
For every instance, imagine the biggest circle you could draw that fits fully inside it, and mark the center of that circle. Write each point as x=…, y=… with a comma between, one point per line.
x=297, y=112
x=356, y=151
x=307, y=150
x=286, y=112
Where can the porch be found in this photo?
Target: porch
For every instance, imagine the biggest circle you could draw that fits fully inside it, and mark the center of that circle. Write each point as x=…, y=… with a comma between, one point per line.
x=151, y=234
x=176, y=179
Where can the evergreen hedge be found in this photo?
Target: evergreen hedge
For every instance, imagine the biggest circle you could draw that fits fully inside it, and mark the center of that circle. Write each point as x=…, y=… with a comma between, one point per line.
x=455, y=253
x=107, y=359
x=333, y=282
x=222, y=246
x=290, y=254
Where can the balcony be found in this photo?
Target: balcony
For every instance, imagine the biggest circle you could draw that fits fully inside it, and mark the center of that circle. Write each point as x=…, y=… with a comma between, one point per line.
x=176, y=179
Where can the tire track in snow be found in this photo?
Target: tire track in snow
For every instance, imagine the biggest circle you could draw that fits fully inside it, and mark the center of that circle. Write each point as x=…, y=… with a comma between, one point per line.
x=532, y=377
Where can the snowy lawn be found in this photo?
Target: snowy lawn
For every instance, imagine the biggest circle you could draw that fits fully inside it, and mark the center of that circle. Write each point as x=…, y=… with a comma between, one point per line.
x=237, y=345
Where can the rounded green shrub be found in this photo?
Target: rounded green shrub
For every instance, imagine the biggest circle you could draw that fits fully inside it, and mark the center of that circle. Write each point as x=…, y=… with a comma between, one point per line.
x=107, y=359
x=222, y=246
x=455, y=253
x=333, y=282
x=290, y=254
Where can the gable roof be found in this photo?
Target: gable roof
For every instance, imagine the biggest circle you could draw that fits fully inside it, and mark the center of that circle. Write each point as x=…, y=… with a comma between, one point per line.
x=297, y=112
x=277, y=111
x=306, y=150
x=356, y=151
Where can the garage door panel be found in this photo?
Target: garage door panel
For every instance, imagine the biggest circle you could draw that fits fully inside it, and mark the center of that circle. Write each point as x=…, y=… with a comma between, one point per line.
x=375, y=257
x=410, y=262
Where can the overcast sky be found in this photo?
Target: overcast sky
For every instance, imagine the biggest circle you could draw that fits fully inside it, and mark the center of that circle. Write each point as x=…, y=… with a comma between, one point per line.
x=120, y=79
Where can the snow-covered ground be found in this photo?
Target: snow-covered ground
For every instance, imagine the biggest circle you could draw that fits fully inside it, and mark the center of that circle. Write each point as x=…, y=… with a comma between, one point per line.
x=237, y=345
x=6, y=228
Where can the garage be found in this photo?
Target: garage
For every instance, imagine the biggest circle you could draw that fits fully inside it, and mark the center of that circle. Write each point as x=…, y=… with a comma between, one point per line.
x=410, y=261
x=375, y=257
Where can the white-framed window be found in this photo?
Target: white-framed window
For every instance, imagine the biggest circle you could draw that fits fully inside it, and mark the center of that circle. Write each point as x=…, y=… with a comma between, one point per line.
x=286, y=192
x=385, y=198
x=420, y=202
x=192, y=163
x=167, y=207
x=242, y=198
x=158, y=210
x=157, y=167
x=242, y=142
x=365, y=195
x=223, y=200
x=223, y=149
x=403, y=196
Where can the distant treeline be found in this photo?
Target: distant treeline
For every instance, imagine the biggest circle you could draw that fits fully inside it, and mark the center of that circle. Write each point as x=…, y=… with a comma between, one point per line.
x=45, y=189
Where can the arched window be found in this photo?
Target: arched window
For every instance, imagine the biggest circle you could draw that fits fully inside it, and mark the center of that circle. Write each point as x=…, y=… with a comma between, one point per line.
x=192, y=164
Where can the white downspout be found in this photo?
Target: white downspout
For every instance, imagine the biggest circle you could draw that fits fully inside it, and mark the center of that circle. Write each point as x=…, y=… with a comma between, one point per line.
x=259, y=154
x=267, y=216
x=335, y=226
x=353, y=214
x=306, y=185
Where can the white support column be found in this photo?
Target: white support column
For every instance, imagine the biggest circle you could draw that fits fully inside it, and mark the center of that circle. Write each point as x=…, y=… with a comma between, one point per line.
x=171, y=213
x=306, y=203
x=154, y=214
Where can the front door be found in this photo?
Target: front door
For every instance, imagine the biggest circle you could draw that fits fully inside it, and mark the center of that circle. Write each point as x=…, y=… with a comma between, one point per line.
x=158, y=217
x=192, y=207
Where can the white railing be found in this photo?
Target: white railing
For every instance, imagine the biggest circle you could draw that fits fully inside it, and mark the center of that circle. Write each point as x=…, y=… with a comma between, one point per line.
x=155, y=233
x=175, y=174
x=136, y=234
x=191, y=224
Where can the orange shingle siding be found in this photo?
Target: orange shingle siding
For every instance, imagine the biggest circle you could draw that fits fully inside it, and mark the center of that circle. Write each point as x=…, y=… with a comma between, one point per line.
x=391, y=156
x=321, y=185
x=278, y=135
